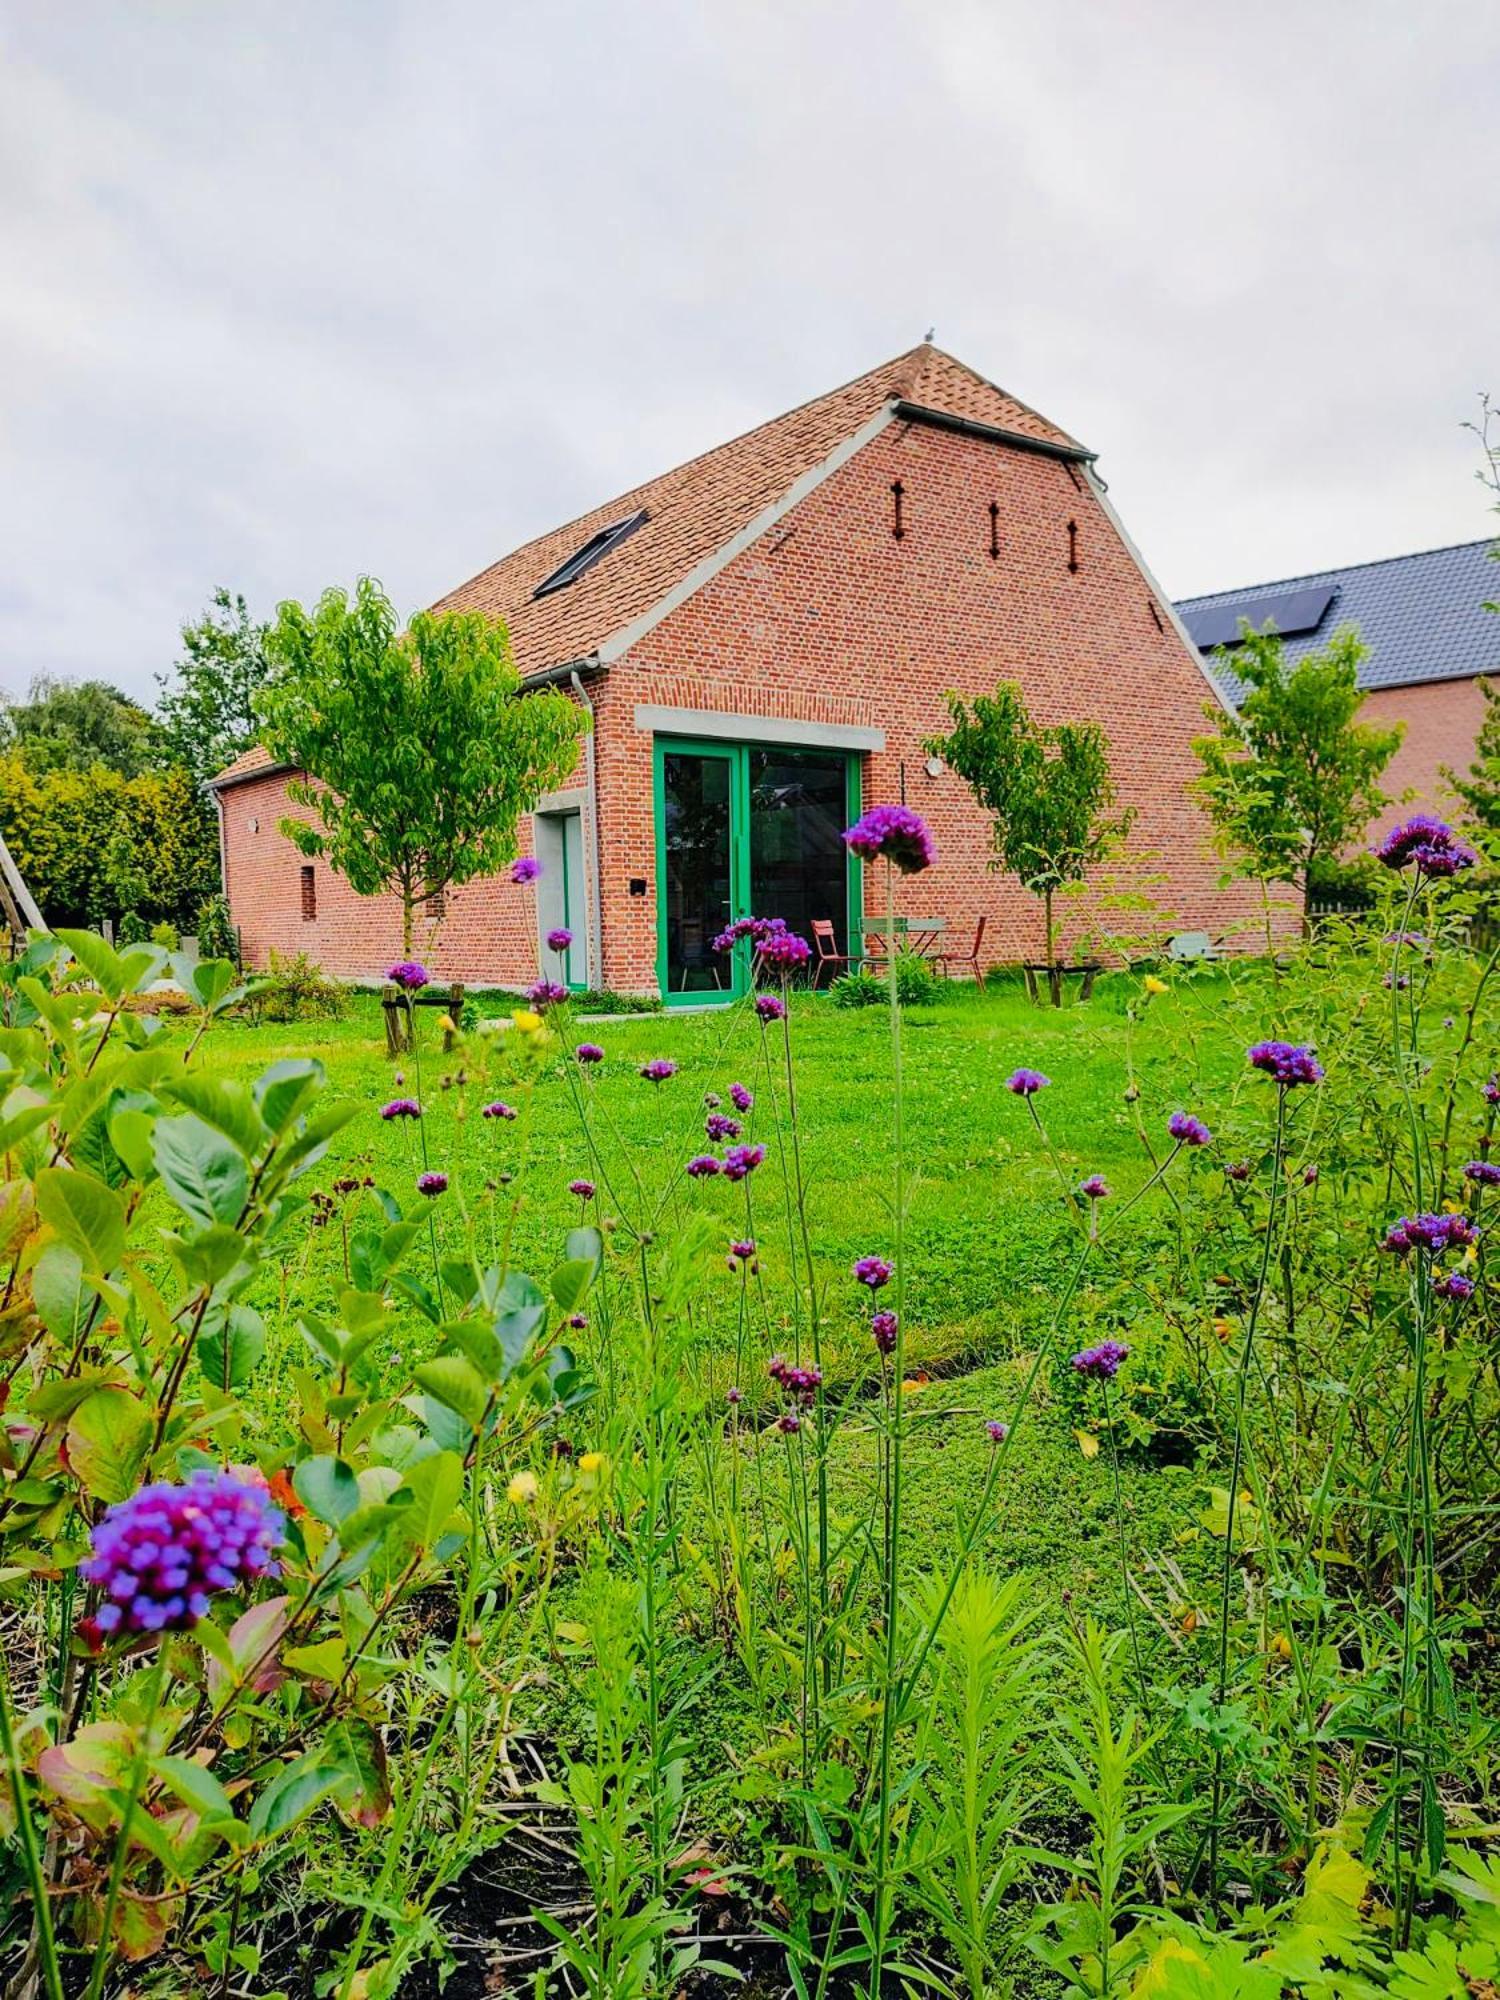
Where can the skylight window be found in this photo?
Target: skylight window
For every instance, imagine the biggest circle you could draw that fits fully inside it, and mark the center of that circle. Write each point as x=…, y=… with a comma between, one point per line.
x=595, y=549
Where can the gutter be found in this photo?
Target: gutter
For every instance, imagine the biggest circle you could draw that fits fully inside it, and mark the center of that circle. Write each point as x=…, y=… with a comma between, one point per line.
x=224, y=781
x=566, y=673
x=595, y=953
x=943, y=420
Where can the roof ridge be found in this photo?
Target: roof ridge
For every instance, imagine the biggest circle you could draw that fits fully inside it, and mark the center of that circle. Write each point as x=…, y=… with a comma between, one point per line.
x=1339, y=569
x=934, y=352
x=686, y=464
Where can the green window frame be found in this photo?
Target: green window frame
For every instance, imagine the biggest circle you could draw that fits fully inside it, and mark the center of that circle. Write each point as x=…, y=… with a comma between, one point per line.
x=738, y=757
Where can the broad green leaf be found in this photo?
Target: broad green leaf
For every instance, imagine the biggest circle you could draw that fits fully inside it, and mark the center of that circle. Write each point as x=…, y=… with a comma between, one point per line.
x=108, y=1438
x=570, y=1282
x=231, y=1346
x=61, y=1298
x=435, y=1485
x=293, y=1793
x=132, y=1118
x=86, y=1214
x=456, y=1383
x=287, y=1088
x=327, y=1487
x=322, y=1662
x=204, y=1172
x=227, y=1106
x=99, y=960
x=195, y=1785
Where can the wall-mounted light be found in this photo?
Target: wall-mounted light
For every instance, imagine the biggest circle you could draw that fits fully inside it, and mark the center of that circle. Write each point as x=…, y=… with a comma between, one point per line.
x=254, y=824
x=933, y=767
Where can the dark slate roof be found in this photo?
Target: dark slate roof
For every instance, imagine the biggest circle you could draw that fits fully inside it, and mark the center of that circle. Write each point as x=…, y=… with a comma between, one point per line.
x=1422, y=616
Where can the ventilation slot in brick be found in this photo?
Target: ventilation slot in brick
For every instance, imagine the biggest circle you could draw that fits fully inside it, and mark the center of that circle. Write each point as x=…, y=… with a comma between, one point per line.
x=994, y=530
x=309, y=894
x=898, y=494
x=1072, y=548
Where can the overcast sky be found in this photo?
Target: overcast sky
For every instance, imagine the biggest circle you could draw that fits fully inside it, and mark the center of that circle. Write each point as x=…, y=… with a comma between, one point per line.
x=292, y=292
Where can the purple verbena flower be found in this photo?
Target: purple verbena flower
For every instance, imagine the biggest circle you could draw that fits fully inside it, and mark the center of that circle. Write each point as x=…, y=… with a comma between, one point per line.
x=789, y=1422
x=578, y=1321
x=873, y=1272
x=997, y=1431
x=718, y=1126
x=1026, y=1082
x=1452, y=1285
x=1310, y=1174
x=895, y=832
x=401, y=1107
x=734, y=1395
x=432, y=1184
x=547, y=993
x=1095, y=1188
x=583, y=1189
x=1428, y=842
x=883, y=1330
x=1432, y=1234
x=408, y=974
x=525, y=870
x=1101, y=1363
x=740, y=1098
x=759, y=930
x=1490, y=1091
x=742, y=1248
x=1237, y=1170
x=1188, y=1130
x=803, y=1383
x=559, y=940
x=742, y=1160
x=770, y=1007
x=160, y=1556
x=499, y=1109
x=704, y=1166
x=1483, y=1173
x=1287, y=1063
x=589, y=1052
x=658, y=1069
x=784, y=950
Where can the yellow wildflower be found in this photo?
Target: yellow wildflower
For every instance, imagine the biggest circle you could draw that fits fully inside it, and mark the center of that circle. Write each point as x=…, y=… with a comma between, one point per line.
x=1154, y=985
x=521, y=1489
x=526, y=1021
x=592, y=1461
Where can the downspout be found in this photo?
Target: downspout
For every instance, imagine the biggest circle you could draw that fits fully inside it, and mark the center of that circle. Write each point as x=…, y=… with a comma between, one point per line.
x=591, y=786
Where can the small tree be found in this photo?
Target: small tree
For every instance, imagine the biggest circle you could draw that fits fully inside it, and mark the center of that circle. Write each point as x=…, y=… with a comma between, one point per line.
x=1047, y=791
x=1291, y=780
x=207, y=706
x=420, y=749
x=1479, y=788
x=65, y=725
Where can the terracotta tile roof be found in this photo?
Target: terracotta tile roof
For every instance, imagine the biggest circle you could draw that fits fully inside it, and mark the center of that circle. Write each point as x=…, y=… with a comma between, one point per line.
x=246, y=765
x=699, y=506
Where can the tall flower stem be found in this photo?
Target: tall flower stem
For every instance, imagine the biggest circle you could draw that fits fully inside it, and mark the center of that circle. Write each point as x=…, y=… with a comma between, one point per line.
x=1226, y=1578
x=888, y=1704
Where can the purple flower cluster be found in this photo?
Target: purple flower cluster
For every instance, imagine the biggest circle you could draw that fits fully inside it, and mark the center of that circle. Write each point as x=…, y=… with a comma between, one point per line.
x=1490, y=1091
x=1452, y=1285
x=547, y=993
x=759, y=930
x=525, y=870
x=658, y=1069
x=559, y=940
x=996, y=1431
x=162, y=1554
x=1095, y=1188
x=770, y=1007
x=703, y=1166
x=874, y=1272
x=1483, y=1173
x=1101, y=1363
x=499, y=1109
x=408, y=974
x=801, y=1383
x=895, y=832
x=1428, y=842
x=401, y=1107
x=1026, y=1082
x=1237, y=1170
x=719, y=1126
x=786, y=952
x=1287, y=1063
x=884, y=1327
x=432, y=1184
x=740, y=1098
x=742, y=1248
x=1188, y=1130
x=1430, y=1233
x=741, y=1161
x=583, y=1189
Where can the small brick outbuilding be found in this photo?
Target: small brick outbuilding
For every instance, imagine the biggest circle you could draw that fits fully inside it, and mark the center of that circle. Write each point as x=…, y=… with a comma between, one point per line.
x=1431, y=642
x=764, y=637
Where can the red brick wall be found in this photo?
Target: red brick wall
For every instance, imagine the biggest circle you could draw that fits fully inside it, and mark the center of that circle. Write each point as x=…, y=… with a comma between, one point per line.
x=829, y=618
x=1442, y=720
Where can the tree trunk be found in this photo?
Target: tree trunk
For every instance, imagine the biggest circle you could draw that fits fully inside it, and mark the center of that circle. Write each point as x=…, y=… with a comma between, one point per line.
x=1054, y=978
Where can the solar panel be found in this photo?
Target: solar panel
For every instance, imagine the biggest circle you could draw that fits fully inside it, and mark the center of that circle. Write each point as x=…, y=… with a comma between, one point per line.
x=594, y=550
x=1287, y=611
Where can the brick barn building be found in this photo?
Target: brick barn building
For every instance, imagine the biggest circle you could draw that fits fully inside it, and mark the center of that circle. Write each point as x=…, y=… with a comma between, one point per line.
x=1431, y=642
x=764, y=636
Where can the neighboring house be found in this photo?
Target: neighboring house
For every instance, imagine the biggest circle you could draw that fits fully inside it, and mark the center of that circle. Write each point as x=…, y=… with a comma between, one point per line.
x=764, y=637
x=1430, y=642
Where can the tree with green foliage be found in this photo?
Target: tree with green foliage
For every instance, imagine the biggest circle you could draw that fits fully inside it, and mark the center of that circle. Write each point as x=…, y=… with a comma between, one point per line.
x=207, y=707
x=64, y=725
x=1291, y=780
x=420, y=748
x=1047, y=790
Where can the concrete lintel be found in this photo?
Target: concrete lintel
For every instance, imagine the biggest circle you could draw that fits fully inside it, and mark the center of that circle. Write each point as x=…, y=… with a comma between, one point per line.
x=728, y=725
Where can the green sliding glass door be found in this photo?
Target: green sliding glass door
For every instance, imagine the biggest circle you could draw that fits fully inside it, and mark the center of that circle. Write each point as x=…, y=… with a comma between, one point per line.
x=747, y=830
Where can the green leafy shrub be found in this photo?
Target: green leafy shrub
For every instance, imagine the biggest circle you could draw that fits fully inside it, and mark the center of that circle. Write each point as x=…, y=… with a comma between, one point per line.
x=217, y=936
x=296, y=989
